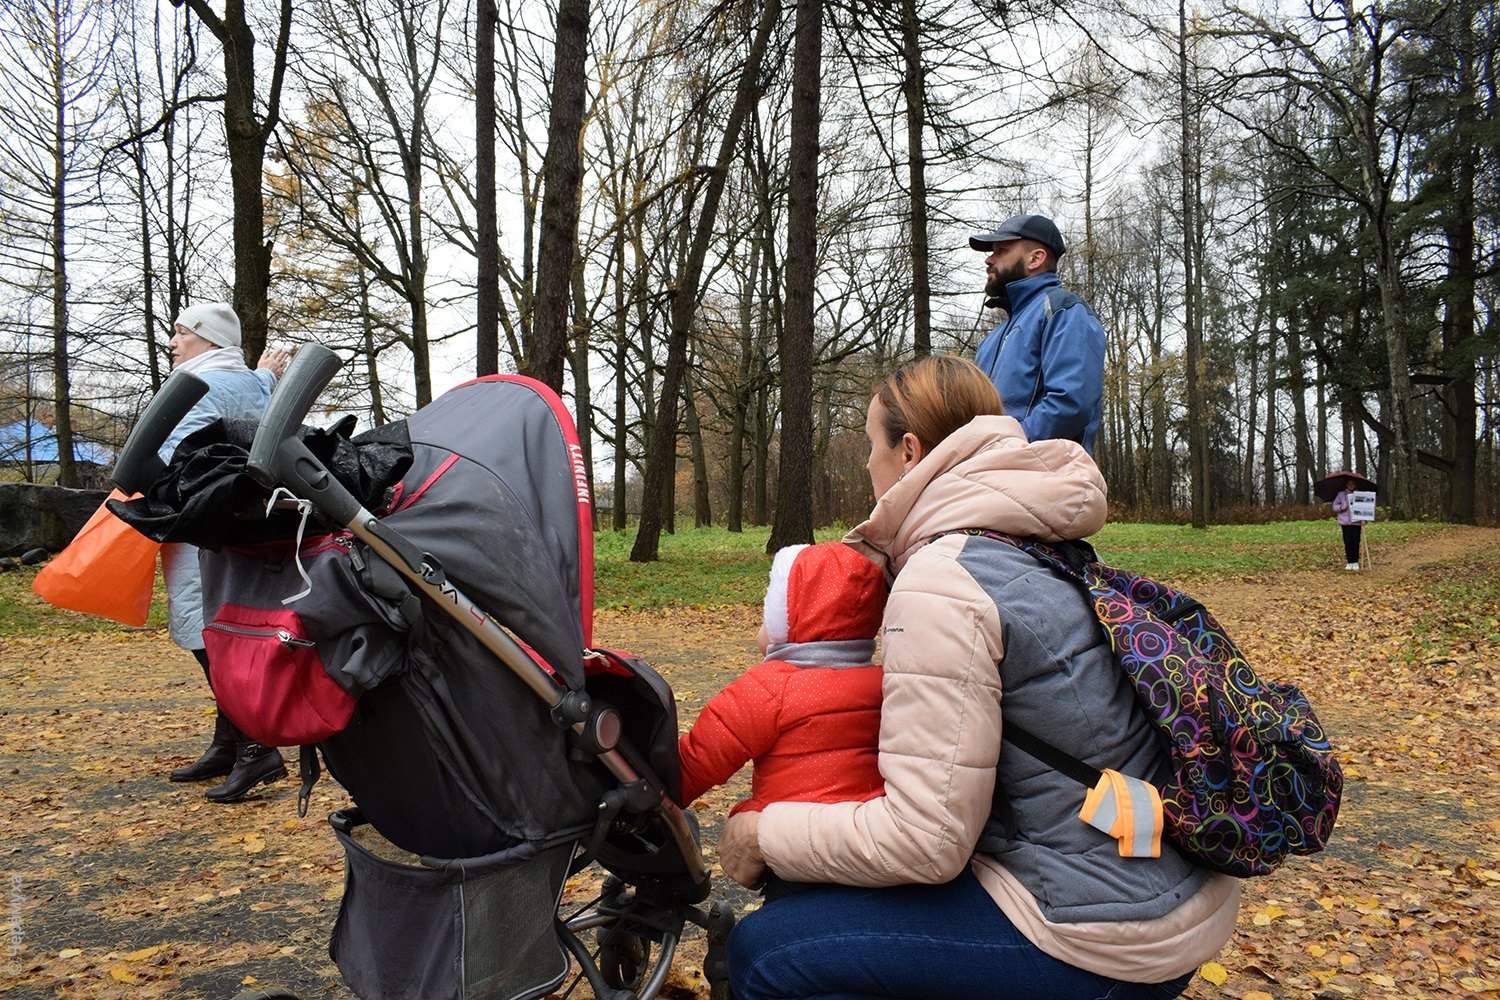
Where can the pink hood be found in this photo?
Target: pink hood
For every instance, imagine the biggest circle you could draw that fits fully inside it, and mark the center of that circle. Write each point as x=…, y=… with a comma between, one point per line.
x=987, y=475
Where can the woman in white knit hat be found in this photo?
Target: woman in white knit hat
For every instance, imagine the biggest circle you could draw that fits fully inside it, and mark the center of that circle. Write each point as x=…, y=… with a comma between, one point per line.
x=206, y=343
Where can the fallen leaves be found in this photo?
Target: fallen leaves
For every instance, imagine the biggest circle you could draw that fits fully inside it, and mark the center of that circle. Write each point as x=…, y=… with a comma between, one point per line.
x=1404, y=901
x=137, y=887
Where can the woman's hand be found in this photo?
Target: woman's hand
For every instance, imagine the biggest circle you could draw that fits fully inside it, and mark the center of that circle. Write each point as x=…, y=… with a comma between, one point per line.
x=739, y=850
x=275, y=359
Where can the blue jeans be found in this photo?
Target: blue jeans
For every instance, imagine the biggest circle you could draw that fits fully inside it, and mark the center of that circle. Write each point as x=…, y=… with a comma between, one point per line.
x=914, y=942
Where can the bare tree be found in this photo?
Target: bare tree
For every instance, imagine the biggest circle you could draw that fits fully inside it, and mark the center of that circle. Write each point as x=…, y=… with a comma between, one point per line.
x=58, y=54
x=248, y=126
x=163, y=132
x=687, y=295
x=367, y=142
x=563, y=175
x=1340, y=55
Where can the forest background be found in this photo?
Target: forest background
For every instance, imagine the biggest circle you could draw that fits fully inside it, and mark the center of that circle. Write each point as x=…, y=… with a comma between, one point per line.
x=711, y=225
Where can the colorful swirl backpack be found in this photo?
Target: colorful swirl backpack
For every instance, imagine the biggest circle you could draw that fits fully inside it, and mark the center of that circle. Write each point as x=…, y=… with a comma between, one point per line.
x=1254, y=777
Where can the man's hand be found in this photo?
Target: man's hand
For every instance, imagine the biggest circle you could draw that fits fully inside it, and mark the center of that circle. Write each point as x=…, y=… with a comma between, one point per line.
x=739, y=850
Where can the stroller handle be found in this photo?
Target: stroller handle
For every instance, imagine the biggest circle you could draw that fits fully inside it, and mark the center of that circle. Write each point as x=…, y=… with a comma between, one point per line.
x=139, y=465
x=277, y=455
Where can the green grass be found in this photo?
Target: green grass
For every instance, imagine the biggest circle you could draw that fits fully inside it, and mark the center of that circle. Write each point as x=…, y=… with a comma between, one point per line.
x=24, y=614
x=1465, y=606
x=696, y=566
x=711, y=566
x=1169, y=551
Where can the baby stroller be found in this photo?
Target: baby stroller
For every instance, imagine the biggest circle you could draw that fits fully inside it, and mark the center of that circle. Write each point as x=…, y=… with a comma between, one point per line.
x=439, y=657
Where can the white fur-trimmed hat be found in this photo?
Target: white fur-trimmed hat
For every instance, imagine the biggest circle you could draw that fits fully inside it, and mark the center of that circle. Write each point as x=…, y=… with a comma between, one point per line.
x=775, y=606
x=215, y=322
x=827, y=591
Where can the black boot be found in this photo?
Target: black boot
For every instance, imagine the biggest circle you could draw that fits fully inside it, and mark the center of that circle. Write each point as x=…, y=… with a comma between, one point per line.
x=217, y=760
x=253, y=764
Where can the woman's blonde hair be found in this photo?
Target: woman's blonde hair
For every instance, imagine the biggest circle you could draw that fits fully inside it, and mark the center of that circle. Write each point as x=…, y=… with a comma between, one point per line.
x=933, y=397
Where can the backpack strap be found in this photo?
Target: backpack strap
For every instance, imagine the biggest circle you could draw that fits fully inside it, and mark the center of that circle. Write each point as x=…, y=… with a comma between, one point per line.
x=1068, y=558
x=1058, y=760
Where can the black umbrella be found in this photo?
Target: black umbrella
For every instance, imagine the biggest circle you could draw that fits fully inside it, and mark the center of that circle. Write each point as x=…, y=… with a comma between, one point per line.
x=1329, y=486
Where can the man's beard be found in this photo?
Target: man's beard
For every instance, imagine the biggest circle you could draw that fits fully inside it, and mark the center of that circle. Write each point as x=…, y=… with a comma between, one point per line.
x=994, y=288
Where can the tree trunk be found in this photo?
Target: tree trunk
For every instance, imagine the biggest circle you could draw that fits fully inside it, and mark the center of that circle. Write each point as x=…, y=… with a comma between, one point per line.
x=1247, y=475
x=793, y=525
x=1197, y=428
x=740, y=415
x=62, y=382
x=487, y=233
x=367, y=332
x=580, y=359
x=246, y=133
x=622, y=337
x=1161, y=458
x=563, y=175
x=1460, y=412
x=685, y=298
x=1402, y=451
x=761, y=498
x=914, y=88
x=1296, y=387
x=1268, y=441
x=421, y=356
x=62, y=379
x=1320, y=437
x=702, y=512
x=148, y=256
x=247, y=147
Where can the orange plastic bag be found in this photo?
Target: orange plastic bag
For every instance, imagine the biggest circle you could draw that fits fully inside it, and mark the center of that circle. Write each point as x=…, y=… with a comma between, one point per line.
x=108, y=569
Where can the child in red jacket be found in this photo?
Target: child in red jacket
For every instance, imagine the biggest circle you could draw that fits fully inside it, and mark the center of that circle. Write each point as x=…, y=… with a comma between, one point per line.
x=809, y=714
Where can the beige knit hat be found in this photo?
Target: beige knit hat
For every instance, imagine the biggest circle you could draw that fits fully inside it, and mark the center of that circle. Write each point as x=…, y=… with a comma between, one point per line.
x=215, y=322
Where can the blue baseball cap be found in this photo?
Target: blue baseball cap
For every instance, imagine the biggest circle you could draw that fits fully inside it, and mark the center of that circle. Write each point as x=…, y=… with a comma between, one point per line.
x=1021, y=227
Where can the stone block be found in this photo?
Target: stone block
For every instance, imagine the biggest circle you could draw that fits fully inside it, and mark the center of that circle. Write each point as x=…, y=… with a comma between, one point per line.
x=47, y=517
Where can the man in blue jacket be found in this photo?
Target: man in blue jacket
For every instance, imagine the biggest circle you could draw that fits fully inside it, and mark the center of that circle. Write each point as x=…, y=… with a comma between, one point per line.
x=1047, y=358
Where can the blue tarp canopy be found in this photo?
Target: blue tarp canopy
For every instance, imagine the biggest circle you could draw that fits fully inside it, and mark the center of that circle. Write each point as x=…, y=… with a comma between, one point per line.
x=16, y=449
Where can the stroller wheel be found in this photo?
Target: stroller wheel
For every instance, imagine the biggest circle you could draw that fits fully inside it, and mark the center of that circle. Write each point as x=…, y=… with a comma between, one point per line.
x=624, y=959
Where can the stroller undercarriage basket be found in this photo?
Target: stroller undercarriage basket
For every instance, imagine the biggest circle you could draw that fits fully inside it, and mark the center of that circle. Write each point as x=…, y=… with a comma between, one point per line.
x=490, y=927
x=482, y=931
x=492, y=753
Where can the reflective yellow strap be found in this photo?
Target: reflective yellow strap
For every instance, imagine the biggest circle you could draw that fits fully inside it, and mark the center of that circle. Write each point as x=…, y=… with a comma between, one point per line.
x=1127, y=809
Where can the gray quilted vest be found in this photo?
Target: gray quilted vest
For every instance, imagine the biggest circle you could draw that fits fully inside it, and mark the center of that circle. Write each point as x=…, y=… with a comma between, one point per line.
x=1060, y=681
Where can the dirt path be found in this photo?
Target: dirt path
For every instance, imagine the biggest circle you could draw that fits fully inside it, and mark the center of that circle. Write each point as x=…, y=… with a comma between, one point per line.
x=1403, y=902
x=118, y=883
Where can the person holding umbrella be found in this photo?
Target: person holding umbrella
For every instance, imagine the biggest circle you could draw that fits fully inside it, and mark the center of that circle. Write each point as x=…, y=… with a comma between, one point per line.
x=1339, y=488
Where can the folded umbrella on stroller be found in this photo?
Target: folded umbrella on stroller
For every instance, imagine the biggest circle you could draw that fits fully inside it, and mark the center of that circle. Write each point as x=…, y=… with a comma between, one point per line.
x=473, y=727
